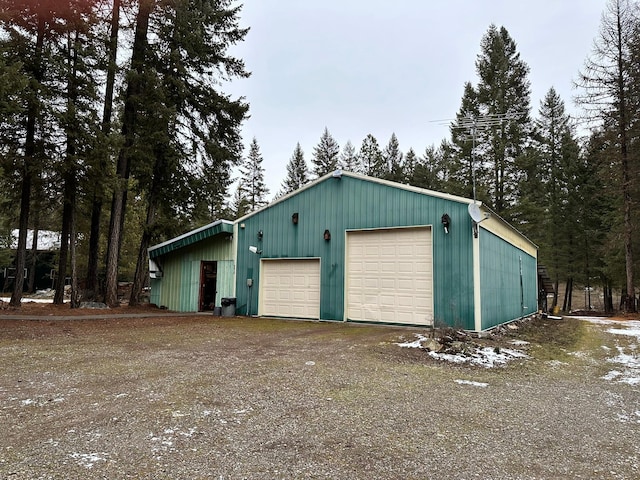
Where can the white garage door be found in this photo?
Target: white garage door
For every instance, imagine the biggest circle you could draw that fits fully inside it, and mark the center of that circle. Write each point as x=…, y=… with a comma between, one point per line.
x=290, y=288
x=390, y=276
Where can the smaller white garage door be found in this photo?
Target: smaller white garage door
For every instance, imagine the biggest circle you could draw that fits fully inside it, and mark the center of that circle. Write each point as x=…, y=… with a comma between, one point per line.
x=290, y=288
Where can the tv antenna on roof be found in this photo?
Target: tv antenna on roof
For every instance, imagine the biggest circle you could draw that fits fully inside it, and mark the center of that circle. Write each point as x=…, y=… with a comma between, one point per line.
x=473, y=123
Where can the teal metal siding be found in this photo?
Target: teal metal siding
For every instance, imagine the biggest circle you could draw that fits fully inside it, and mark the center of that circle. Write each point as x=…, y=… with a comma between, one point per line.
x=179, y=288
x=506, y=294
x=353, y=203
x=156, y=289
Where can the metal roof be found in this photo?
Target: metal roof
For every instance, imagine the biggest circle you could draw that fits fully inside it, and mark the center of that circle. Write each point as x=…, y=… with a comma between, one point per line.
x=216, y=228
x=345, y=173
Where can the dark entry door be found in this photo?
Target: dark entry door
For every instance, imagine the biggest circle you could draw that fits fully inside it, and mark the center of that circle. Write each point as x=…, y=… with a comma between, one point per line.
x=208, y=277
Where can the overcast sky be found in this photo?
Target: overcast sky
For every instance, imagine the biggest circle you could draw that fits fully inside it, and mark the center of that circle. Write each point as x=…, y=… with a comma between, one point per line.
x=381, y=66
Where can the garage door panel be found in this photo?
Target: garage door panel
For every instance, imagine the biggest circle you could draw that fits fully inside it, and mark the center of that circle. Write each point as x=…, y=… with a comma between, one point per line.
x=290, y=288
x=389, y=276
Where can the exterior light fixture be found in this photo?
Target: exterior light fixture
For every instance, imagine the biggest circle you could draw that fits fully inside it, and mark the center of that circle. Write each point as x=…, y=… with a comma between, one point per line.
x=255, y=250
x=446, y=222
x=327, y=235
x=294, y=218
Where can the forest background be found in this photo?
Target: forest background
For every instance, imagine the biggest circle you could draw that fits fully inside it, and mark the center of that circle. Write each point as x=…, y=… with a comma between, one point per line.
x=115, y=130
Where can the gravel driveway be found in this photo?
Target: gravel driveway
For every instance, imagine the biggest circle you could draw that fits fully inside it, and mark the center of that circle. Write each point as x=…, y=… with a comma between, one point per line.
x=200, y=397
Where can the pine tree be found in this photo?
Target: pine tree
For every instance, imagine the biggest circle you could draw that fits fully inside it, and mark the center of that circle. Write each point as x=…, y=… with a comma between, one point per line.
x=410, y=162
x=297, y=173
x=501, y=100
x=429, y=168
x=607, y=83
x=189, y=56
x=34, y=27
x=392, y=161
x=371, y=157
x=239, y=203
x=469, y=174
x=98, y=172
x=325, y=155
x=253, y=186
x=349, y=159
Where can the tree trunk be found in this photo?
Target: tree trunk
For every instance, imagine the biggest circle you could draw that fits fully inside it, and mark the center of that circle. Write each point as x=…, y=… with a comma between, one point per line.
x=608, y=297
x=92, y=285
x=34, y=254
x=568, y=295
x=623, y=127
x=123, y=167
x=142, y=265
x=28, y=168
x=63, y=257
x=75, y=293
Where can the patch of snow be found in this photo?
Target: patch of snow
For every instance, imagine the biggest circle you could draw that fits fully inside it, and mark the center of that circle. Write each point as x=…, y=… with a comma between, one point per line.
x=631, y=332
x=485, y=357
x=598, y=320
x=469, y=382
x=555, y=363
x=631, y=372
x=27, y=402
x=579, y=354
x=310, y=363
x=519, y=342
x=612, y=375
x=415, y=344
x=87, y=460
x=29, y=300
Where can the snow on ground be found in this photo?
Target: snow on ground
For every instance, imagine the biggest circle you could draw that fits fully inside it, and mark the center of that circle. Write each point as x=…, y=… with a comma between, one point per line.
x=482, y=356
x=473, y=384
x=628, y=358
x=87, y=460
x=27, y=300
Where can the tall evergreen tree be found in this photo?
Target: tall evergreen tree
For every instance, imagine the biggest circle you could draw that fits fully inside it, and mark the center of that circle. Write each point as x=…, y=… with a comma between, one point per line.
x=189, y=55
x=136, y=86
x=502, y=125
x=239, y=203
x=392, y=158
x=607, y=84
x=325, y=155
x=349, y=159
x=99, y=170
x=430, y=169
x=254, y=189
x=371, y=157
x=410, y=162
x=297, y=173
x=30, y=29
x=469, y=173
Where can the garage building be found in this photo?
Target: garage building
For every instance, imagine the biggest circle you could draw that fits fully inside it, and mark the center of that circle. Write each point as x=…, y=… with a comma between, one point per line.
x=353, y=248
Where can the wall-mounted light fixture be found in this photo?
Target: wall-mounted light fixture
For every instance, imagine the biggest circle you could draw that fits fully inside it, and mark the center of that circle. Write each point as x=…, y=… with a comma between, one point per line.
x=327, y=235
x=446, y=222
x=255, y=250
x=260, y=234
x=337, y=174
x=294, y=218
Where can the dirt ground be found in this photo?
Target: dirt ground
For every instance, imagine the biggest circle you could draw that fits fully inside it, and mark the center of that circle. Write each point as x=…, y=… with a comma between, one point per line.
x=198, y=397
